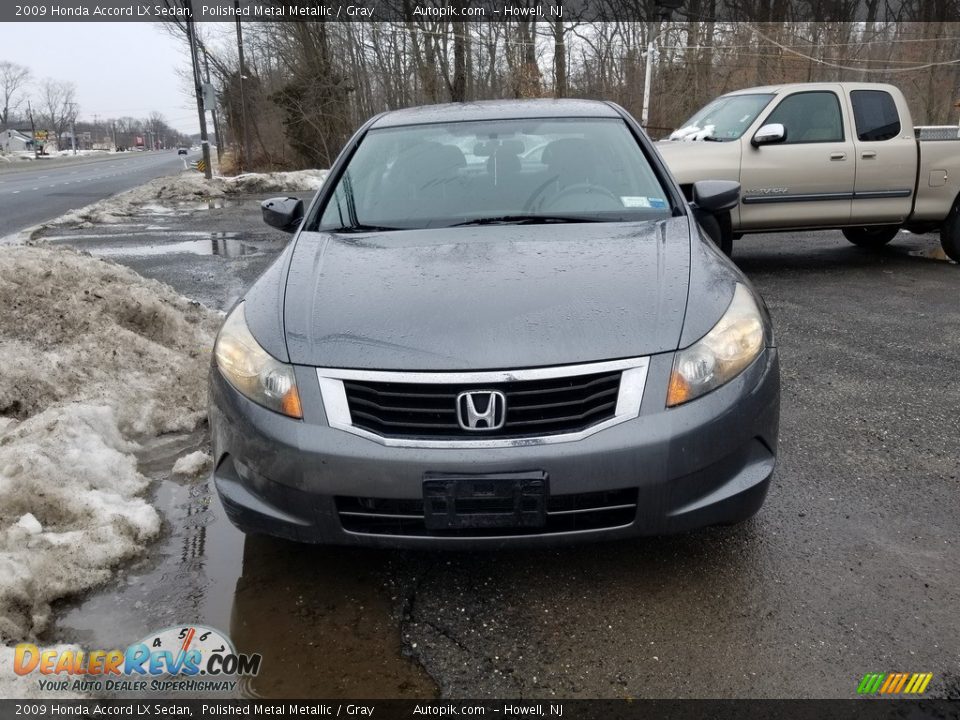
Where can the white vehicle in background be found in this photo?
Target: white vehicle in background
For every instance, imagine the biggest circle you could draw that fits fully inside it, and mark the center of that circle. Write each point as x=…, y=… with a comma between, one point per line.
x=823, y=155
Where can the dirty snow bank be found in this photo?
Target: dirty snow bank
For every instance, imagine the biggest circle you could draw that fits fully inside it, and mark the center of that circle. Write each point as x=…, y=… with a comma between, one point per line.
x=190, y=187
x=16, y=156
x=93, y=357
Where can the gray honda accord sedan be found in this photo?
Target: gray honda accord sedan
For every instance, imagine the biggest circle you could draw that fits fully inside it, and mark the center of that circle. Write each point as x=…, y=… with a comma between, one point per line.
x=496, y=324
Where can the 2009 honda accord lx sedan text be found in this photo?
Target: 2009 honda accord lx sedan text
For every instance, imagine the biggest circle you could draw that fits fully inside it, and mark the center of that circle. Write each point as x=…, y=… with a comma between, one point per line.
x=496, y=324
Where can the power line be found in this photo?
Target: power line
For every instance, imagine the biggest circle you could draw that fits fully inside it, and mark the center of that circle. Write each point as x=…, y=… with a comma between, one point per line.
x=839, y=66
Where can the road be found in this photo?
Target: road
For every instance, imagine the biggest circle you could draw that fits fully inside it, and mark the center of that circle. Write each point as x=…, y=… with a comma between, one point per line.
x=852, y=566
x=32, y=192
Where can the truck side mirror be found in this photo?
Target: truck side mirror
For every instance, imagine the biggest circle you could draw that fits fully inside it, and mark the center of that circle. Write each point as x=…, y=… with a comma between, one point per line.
x=769, y=134
x=715, y=196
x=282, y=213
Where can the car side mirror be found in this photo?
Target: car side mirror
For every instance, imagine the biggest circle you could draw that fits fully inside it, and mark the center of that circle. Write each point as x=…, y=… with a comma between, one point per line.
x=282, y=213
x=716, y=195
x=769, y=134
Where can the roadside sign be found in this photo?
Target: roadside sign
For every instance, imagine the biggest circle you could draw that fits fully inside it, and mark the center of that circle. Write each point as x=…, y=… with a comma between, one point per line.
x=209, y=97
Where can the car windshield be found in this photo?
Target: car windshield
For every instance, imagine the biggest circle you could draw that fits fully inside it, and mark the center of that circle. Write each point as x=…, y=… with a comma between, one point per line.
x=725, y=119
x=493, y=172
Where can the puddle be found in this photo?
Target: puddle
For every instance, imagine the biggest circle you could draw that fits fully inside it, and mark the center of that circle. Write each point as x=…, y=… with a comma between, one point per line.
x=224, y=244
x=217, y=203
x=152, y=231
x=155, y=209
x=320, y=616
x=933, y=253
x=208, y=204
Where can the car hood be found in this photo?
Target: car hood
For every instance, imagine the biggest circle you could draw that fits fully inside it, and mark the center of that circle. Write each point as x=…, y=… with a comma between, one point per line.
x=492, y=297
x=690, y=161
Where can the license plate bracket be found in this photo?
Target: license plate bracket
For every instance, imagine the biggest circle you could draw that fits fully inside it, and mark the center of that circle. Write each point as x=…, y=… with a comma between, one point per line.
x=501, y=500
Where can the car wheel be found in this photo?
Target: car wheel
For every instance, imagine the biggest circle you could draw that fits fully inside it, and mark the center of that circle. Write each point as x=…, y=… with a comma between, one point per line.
x=872, y=237
x=950, y=236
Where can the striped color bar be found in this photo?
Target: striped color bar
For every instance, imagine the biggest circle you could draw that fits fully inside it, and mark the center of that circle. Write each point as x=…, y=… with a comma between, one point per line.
x=894, y=683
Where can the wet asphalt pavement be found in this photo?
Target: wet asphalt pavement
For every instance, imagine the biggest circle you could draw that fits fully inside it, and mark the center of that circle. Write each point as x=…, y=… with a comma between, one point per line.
x=34, y=191
x=852, y=566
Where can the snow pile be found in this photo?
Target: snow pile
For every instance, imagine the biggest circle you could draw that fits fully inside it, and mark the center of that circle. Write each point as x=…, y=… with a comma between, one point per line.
x=16, y=157
x=298, y=181
x=194, y=186
x=192, y=465
x=23, y=687
x=92, y=358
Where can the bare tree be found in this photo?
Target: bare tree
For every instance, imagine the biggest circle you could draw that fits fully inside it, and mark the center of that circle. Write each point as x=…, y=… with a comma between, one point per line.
x=308, y=85
x=13, y=78
x=58, y=105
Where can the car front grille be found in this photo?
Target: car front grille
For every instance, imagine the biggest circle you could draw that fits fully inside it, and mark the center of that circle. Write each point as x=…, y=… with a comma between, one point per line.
x=565, y=513
x=533, y=407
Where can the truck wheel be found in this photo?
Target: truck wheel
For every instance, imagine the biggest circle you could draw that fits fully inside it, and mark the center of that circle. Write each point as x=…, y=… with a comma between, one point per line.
x=950, y=236
x=871, y=237
x=718, y=229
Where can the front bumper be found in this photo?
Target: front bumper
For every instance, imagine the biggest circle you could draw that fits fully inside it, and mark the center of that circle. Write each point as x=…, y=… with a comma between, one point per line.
x=704, y=463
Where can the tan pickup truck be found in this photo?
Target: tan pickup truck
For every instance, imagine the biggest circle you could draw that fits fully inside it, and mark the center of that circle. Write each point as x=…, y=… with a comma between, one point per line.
x=823, y=155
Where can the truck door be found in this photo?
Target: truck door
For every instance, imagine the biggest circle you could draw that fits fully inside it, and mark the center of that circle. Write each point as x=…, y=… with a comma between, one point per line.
x=886, y=159
x=807, y=179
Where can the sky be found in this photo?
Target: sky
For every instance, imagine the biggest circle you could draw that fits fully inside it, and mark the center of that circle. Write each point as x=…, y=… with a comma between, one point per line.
x=120, y=68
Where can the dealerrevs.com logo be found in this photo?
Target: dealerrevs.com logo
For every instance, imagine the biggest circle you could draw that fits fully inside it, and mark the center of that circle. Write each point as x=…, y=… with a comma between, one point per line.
x=190, y=658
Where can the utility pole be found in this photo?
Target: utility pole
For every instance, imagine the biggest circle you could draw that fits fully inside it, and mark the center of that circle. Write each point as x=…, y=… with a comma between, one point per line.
x=115, y=146
x=213, y=110
x=648, y=75
x=33, y=130
x=73, y=127
x=204, y=142
x=243, y=105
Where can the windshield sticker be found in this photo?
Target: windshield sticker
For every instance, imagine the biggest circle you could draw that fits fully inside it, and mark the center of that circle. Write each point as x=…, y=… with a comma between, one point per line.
x=634, y=201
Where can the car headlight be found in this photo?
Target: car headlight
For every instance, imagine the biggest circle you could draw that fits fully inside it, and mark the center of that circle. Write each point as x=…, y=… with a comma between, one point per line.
x=252, y=370
x=720, y=355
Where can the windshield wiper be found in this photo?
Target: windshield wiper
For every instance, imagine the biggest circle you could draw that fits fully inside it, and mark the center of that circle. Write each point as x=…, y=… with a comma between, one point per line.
x=527, y=220
x=361, y=228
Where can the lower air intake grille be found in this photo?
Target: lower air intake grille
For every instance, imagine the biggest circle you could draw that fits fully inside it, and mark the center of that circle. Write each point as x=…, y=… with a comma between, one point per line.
x=565, y=513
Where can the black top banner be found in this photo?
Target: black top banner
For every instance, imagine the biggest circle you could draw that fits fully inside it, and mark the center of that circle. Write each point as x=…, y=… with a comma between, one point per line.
x=482, y=10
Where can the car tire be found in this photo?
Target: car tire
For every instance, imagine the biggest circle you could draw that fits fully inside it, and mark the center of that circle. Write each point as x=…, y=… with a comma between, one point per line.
x=950, y=236
x=719, y=230
x=871, y=237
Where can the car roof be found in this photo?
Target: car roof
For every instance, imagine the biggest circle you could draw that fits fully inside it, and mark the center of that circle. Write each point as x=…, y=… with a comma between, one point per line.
x=496, y=110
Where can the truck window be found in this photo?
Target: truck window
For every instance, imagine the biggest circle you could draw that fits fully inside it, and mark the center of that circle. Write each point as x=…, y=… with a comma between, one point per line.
x=875, y=114
x=809, y=117
x=725, y=119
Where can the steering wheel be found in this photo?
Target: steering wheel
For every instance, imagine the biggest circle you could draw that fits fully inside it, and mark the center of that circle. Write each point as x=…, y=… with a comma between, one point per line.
x=584, y=188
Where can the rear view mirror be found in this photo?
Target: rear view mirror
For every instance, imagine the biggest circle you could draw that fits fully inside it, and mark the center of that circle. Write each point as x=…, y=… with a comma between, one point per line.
x=716, y=195
x=769, y=134
x=282, y=213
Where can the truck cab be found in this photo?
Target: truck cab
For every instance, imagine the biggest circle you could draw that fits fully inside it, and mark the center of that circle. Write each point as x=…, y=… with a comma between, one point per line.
x=821, y=155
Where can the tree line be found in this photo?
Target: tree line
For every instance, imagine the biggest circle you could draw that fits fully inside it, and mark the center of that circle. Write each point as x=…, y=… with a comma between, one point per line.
x=51, y=105
x=306, y=86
